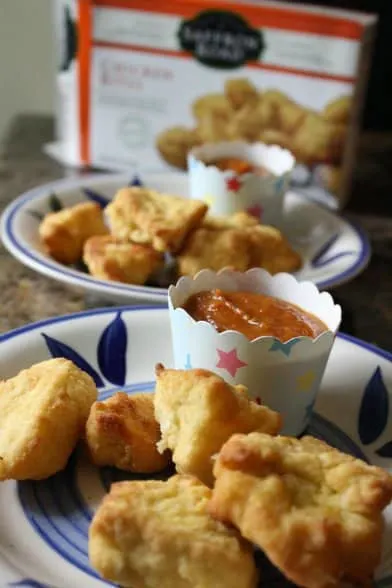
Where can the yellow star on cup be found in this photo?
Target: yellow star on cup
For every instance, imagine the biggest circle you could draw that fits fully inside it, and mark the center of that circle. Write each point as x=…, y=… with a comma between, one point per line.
x=306, y=381
x=208, y=199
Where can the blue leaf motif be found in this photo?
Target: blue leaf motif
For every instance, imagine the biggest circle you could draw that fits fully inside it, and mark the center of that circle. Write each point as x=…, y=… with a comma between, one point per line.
x=136, y=181
x=95, y=197
x=28, y=583
x=112, y=349
x=59, y=349
x=385, y=450
x=321, y=260
x=373, y=414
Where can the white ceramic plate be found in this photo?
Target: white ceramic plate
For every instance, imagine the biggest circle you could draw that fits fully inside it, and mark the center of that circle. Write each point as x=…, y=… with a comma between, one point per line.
x=333, y=250
x=43, y=525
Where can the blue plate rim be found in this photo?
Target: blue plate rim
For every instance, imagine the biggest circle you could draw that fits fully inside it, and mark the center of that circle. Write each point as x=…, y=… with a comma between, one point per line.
x=158, y=307
x=8, y=237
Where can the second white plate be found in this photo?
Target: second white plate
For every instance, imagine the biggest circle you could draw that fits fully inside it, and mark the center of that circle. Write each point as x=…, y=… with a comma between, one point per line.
x=333, y=249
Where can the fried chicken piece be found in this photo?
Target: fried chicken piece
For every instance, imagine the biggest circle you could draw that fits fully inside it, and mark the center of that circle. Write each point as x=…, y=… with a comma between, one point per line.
x=123, y=261
x=238, y=220
x=240, y=91
x=338, y=111
x=318, y=140
x=159, y=535
x=122, y=432
x=175, y=143
x=161, y=220
x=314, y=511
x=212, y=105
x=208, y=248
x=64, y=233
x=271, y=250
x=43, y=412
x=198, y=411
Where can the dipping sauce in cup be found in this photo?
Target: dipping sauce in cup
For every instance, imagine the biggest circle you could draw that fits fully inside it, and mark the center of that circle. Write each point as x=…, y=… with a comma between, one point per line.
x=240, y=166
x=272, y=334
x=254, y=315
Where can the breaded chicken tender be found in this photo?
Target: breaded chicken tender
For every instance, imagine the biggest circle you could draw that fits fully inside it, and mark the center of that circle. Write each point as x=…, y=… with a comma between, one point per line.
x=43, y=412
x=110, y=259
x=159, y=535
x=238, y=220
x=122, y=432
x=65, y=232
x=161, y=220
x=208, y=248
x=198, y=412
x=271, y=250
x=314, y=511
x=240, y=91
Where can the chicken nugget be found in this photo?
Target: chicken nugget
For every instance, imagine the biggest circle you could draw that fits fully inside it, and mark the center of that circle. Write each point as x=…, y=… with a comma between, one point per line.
x=174, y=144
x=338, y=110
x=64, y=233
x=149, y=217
x=216, y=105
x=314, y=511
x=214, y=249
x=318, y=140
x=122, y=432
x=107, y=258
x=198, y=411
x=240, y=91
x=160, y=535
x=43, y=412
x=238, y=220
x=271, y=250
x=274, y=137
x=212, y=128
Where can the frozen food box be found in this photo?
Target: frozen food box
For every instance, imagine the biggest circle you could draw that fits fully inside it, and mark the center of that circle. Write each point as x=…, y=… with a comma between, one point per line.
x=141, y=83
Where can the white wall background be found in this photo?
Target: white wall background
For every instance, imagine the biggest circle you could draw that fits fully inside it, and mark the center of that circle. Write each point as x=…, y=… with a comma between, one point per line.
x=27, y=59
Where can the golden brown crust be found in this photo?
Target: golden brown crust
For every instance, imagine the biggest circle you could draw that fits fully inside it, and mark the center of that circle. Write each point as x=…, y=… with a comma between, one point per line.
x=338, y=110
x=110, y=259
x=212, y=128
x=212, y=105
x=122, y=432
x=315, y=511
x=214, y=249
x=290, y=116
x=238, y=220
x=271, y=250
x=318, y=140
x=43, y=411
x=148, y=217
x=64, y=233
x=198, y=411
x=240, y=91
x=274, y=137
x=160, y=535
x=175, y=143
x=247, y=122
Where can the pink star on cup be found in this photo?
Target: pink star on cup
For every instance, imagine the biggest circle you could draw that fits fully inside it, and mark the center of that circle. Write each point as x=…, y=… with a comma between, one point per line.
x=255, y=210
x=233, y=184
x=229, y=361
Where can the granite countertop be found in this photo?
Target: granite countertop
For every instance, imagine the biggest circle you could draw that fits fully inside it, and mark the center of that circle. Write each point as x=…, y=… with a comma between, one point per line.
x=366, y=301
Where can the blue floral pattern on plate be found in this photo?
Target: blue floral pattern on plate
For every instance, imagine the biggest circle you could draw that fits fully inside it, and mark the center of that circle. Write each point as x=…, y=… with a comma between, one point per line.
x=56, y=508
x=111, y=353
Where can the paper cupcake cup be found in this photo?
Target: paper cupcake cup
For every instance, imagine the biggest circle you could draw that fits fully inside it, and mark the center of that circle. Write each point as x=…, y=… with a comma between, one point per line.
x=284, y=376
x=226, y=192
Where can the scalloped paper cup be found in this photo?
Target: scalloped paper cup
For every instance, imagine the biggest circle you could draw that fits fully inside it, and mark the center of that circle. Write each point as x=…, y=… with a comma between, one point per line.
x=226, y=192
x=284, y=376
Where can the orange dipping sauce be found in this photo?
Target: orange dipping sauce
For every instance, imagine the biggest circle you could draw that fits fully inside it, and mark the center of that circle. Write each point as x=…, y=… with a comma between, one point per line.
x=239, y=166
x=253, y=315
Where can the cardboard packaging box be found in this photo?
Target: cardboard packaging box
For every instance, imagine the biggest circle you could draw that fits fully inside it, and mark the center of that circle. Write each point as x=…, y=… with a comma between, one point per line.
x=141, y=82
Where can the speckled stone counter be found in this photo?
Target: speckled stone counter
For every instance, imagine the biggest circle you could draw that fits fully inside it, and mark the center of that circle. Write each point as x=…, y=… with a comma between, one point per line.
x=367, y=300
